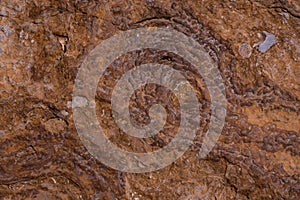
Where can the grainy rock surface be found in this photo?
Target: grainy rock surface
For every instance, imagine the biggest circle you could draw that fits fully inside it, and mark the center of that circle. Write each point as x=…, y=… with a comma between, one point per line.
x=43, y=43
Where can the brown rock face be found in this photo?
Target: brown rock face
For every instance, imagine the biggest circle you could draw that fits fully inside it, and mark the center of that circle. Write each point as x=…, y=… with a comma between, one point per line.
x=42, y=45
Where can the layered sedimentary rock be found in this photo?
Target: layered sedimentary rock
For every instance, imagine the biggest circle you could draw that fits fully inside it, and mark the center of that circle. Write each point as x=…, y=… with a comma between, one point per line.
x=256, y=46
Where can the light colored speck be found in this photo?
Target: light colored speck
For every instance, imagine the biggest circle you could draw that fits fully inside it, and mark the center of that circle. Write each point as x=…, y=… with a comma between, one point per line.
x=92, y=104
x=28, y=67
x=2, y=132
x=64, y=113
x=286, y=15
x=21, y=34
x=53, y=180
x=258, y=35
x=297, y=46
x=7, y=30
x=69, y=104
x=3, y=11
x=49, y=86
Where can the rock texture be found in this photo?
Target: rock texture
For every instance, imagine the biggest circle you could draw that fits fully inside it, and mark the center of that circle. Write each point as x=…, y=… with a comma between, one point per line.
x=43, y=43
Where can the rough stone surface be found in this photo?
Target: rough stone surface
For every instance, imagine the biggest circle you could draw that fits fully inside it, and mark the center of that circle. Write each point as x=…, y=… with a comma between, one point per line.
x=245, y=50
x=43, y=43
x=55, y=125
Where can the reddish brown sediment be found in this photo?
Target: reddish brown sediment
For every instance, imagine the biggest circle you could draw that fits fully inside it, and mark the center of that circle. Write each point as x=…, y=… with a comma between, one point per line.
x=42, y=45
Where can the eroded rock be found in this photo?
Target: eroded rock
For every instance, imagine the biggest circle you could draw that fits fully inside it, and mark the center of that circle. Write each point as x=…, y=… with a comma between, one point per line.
x=43, y=43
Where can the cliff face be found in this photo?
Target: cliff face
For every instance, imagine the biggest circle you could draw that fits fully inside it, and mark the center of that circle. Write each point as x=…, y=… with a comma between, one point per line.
x=256, y=46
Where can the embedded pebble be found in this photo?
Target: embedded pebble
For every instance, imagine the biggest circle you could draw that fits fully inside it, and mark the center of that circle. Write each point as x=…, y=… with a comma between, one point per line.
x=245, y=50
x=64, y=113
x=265, y=45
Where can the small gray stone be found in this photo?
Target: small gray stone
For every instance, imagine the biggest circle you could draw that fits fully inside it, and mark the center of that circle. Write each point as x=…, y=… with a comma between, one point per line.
x=265, y=45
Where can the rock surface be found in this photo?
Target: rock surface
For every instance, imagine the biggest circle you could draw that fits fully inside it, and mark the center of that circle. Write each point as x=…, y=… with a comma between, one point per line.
x=43, y=43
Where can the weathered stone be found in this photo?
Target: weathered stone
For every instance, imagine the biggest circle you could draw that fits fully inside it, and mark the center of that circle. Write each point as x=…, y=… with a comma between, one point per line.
x=42, y=45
